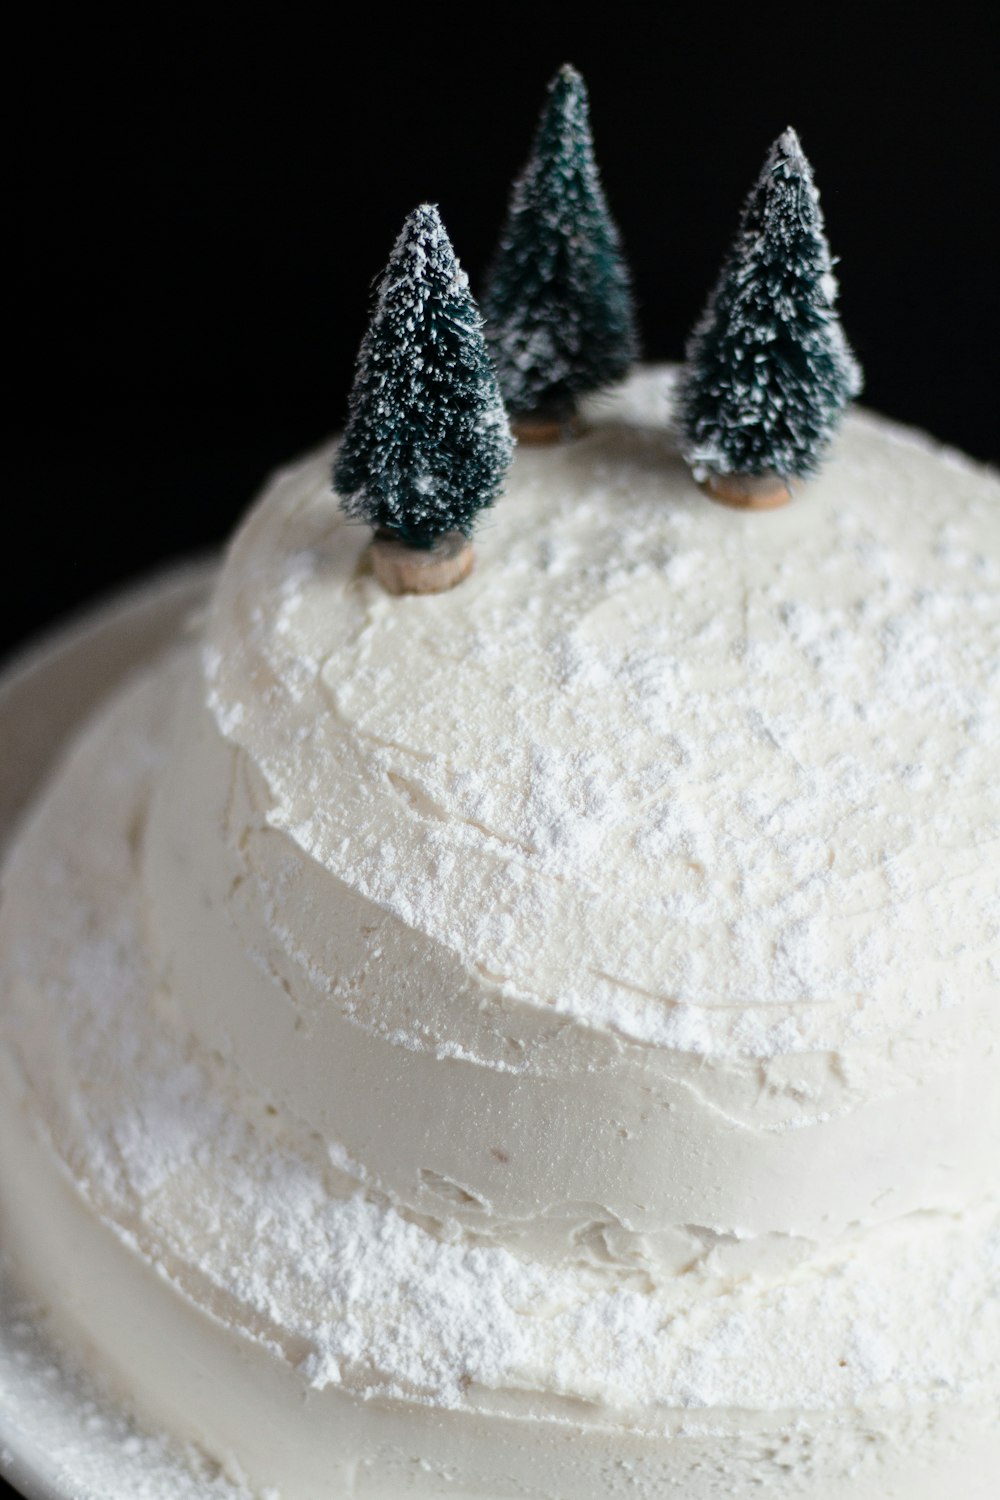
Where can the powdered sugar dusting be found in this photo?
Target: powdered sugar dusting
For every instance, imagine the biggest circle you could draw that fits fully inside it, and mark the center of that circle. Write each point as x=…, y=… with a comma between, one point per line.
x=380, y=1303
x=285, y=1245
x=777, y=734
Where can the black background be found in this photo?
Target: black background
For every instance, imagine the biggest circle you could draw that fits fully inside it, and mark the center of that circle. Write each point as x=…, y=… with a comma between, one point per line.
x=198, y=211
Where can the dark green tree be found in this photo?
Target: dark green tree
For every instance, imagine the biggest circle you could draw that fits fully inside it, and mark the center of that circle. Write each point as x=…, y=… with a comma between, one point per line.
x=558, y=302
x=768, y=369
x=427, y=440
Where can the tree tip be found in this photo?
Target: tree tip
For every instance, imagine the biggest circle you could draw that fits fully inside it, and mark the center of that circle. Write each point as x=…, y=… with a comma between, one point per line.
x=787, y=158
x=567, y=75
x=428, y=211
x=423, y=225
x=788, y=145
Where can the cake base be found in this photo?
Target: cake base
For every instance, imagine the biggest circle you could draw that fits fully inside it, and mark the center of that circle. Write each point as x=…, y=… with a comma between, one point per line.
x=327, y=1445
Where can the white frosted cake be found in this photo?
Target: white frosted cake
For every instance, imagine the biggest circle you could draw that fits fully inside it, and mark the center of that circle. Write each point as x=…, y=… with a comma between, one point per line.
x=541, y=1039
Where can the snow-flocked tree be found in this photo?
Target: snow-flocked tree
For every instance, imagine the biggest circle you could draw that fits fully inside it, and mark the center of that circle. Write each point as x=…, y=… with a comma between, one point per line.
x=558, y=301
x=768, y=370
x=427, y=440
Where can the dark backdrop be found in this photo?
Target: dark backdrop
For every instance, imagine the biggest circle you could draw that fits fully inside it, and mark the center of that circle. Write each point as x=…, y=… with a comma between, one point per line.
x=198, y=212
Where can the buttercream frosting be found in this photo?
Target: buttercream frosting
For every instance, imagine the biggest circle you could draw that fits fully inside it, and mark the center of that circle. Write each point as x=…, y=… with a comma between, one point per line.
x=563, y=1008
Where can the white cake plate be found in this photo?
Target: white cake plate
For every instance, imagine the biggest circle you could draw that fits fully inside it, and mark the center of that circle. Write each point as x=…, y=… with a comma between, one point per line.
x=60, y=1439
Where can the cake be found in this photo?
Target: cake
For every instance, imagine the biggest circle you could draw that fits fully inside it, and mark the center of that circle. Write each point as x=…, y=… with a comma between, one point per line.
x=539, y=1039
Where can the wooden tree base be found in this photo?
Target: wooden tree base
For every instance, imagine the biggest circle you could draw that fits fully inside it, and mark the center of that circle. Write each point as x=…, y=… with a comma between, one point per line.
x=539, y=427
x=417, y=570
x=747, y=491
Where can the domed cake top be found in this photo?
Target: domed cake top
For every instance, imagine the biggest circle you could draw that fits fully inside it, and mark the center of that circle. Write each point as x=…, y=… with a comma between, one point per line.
x=711, y=780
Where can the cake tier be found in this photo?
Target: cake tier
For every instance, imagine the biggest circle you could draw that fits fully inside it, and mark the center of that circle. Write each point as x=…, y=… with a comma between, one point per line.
x=637, y=900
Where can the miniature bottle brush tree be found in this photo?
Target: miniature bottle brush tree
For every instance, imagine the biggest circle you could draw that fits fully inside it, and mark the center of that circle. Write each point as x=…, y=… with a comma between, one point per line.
x=427, y=440
x=558, y=302
x=768, y=369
